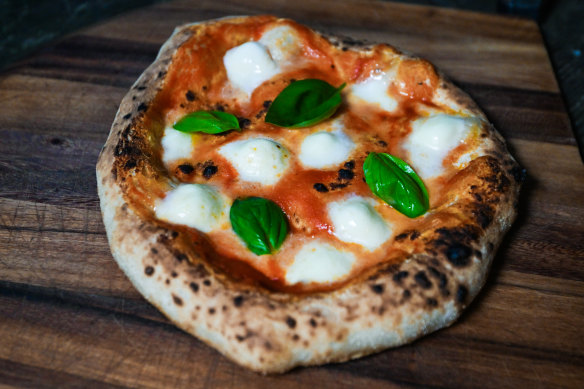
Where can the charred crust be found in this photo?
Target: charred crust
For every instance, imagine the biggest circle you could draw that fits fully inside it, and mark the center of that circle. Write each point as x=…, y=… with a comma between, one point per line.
x=186, y=168
x=431, y=302
x=377, y=288
x=161, y=74
x=243, y=122
x=211, y=311
x=345, y=174
x=398, y=277
x=295, y=337
x=406, y=294
x=484, y=214
x=142, y=107
x=291, y=322
x=312, y=322
x=266, y=104
x=177, y=300
x=422, y=280
x=130, y=164
x=209, y=171
x=148, y=270
x=127, y=116
x=174, y=274
x=461, y=294
x=154, y=250
x=350, y=164
x=458, y=254
x=194, y=287
x=442, y=279
x=338, y=185
x=207, y=283
x=320, y=187
x=180, y=256
x=401, y=236
x=238, y=301
x=219, y=107
x=190, y=95
x=414, y=234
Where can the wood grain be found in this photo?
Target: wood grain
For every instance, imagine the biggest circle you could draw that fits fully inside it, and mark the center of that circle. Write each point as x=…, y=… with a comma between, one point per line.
x=69, y=317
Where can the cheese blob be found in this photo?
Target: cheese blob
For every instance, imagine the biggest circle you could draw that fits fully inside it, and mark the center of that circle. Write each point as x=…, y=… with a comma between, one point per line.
x=176, y=145
x=432, y=139
x=375, y=90
x=257, y=159
x=249, y=65
x=193, y=205
x=356, y=221
x=325, y=148
x=319, y=262
x=283, y=44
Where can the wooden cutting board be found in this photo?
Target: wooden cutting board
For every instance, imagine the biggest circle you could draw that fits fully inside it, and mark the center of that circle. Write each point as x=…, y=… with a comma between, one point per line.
x=69, y=317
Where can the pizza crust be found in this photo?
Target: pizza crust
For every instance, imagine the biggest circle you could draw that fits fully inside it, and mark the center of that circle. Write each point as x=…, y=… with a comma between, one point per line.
x=272, y=332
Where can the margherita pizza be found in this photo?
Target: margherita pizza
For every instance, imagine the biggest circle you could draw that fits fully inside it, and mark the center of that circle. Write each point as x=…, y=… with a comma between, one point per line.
x=292, y=198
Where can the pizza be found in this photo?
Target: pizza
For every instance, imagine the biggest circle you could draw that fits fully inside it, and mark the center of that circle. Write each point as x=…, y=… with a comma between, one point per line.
x=293, y=198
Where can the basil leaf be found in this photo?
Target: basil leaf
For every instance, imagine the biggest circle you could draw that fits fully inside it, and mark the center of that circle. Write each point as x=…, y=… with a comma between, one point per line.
x=396, y=183
x=260, y=223
x=304, y=103
x=209, y=122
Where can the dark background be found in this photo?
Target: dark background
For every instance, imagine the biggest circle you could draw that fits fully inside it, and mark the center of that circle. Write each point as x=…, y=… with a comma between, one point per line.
x=28, y=26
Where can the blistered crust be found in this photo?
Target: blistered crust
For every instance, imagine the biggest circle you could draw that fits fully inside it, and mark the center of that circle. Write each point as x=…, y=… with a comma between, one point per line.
x=273, y=332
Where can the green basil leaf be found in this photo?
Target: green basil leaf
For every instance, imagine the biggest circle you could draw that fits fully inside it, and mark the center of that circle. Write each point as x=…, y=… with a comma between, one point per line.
x=304, y=103
x=396, y=183
x=260, y=223
x=209, y=122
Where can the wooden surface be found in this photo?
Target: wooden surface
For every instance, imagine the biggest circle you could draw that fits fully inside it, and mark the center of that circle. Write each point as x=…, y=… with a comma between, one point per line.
x=69, y=317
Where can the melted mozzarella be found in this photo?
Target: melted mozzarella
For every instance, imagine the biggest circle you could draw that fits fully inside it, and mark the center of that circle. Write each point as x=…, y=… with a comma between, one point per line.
x=319, y=262
x=282, y=42
x=432, y=139
x=249, y=65
x=257, y=159
x=193, y=205
x=374, y=90
x=326, y=148
x=175, y=145
x=356, y=221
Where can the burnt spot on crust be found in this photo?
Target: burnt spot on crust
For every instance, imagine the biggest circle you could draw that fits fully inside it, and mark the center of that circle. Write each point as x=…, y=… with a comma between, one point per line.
x=291, y=322
x=295, y=337
x=458, y=255
x=320, y=187
x=142, y=107
x=350, y=164
x=238, y=301
x=180, y=256
x=312, y=322
x=377, y=288
x=194, y=287
x=207, y=283
x=398, y=277
x=345, y=174
x=338, y=185
x=484, y=214
x=442, y=279
x=211, y=311
x=154, y=250
x=177, y=300
x=174, y=274
x=220, y=107
x=161, y=74
x=422, y=280
x=127, y=116
x=190, y=95
x=209, y=171
x=413, y=234
x=406, y=294
x=186, y=168
x=130, y=164
x=461, y=294
x=148, y=270
x=243, y=122
x=431, y=302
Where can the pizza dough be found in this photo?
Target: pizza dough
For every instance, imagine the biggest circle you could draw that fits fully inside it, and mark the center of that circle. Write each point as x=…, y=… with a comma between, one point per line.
x=330, y=294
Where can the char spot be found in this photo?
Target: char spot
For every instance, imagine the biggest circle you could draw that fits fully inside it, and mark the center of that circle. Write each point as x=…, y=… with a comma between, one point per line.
x=174, y=274
x=142, y=107
x=295, y=337
x=431, y=302
x=127, y=116
x=207, y=283
x=141, y=87
x=190, y=95
x=130, y=164
x=177, y=300
x=458, y=255
x=406, y=294
x=398, y=277
x=149, y=270
x=312, y=322
x=267, y=104
x=268, y=345
x=161, y=74
x=382, y=143
x=209, y=171
x=377, y=288
x=320, y=187
x=238, y=301
x=461, y=294
x=337, y=185
x=422, y=280
x=346, y=174
x=154, y=250
x=414, y=235
x=291, y=322
x=243, y=122
x=211, y=311
x=350, y=165
x=186, y=168
x=180, y=257
x=401, y=236
x=194, y=287
x=442, y=280
x=240, y=338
